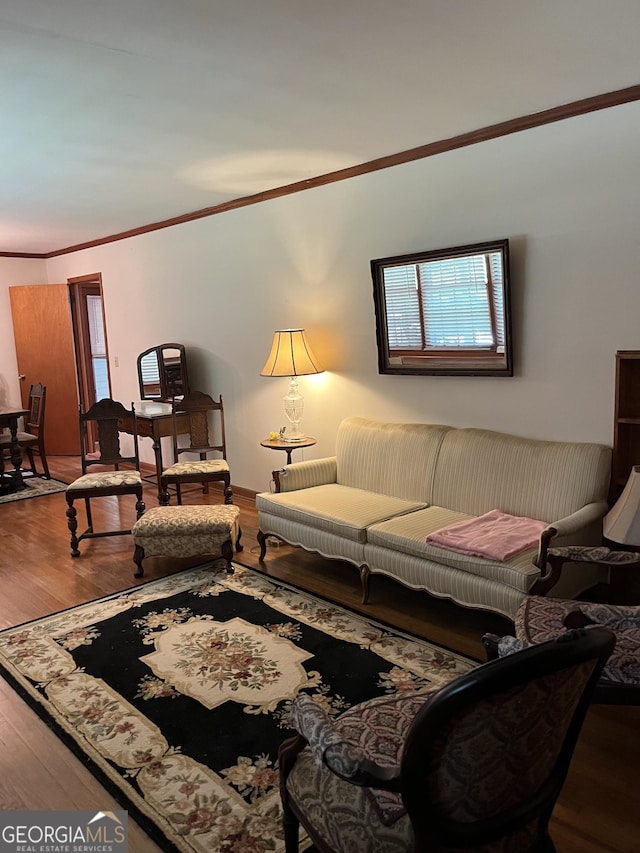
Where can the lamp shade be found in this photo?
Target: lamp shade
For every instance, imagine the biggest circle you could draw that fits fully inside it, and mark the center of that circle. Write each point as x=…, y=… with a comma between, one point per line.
x=290, y=355
x=622, y=522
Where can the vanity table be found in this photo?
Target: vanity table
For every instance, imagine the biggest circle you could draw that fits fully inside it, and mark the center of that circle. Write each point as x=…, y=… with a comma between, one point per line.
x=162, y=376
x=155, y=421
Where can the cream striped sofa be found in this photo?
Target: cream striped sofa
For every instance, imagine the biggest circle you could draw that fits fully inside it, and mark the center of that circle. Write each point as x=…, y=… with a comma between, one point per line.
x=390, y=485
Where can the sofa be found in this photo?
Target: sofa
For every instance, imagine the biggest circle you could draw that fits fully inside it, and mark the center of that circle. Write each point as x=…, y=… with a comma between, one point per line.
x=390, y=485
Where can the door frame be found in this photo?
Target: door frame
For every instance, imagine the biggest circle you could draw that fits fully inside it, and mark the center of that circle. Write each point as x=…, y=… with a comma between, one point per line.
x=79, y=288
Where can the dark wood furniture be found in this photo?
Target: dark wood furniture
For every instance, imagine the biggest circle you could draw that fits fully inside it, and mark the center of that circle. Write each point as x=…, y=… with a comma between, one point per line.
x=626, y=429
x=202, y=418
x=11, y=481
x=123, y=474
x=287, y=446
x=477, y=764
x=154, y=421
x=623, y=567
x=32, y=438
x=162, y=373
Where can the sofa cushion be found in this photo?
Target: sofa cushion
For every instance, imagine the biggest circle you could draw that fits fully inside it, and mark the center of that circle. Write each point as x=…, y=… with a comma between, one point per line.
x=337, y=509
x=407, y=534
x=398, y=460
x=480, y=470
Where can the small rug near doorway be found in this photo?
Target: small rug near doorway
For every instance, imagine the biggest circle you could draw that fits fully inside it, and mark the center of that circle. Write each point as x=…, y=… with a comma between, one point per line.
x=176, y=693
x=34, y=488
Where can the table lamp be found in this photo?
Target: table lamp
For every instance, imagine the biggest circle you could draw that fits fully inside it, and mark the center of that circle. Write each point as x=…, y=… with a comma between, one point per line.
x=291, y=356
x=622, y=523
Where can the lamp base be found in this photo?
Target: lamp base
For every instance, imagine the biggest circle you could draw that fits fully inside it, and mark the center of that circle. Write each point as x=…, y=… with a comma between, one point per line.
x=294, y=434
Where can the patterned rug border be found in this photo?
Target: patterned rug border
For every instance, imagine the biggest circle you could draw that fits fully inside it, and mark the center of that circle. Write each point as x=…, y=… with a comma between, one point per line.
x=135, y=806
x=57, y=486
x=380, y=623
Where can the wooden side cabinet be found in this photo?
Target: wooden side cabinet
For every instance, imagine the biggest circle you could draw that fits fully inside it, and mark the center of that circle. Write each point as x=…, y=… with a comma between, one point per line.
x=626, y=430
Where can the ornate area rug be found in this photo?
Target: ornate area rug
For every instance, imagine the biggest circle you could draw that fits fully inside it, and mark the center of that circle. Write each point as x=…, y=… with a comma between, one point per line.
x=34, y=488
x=177, y=693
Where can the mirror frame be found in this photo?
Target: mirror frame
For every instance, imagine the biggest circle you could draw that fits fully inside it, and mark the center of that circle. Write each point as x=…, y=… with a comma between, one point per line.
x=165, y=394
x=451, y=361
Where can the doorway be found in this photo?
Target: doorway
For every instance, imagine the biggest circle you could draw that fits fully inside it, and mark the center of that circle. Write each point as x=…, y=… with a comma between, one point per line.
x=90, y=337
x=61, y=342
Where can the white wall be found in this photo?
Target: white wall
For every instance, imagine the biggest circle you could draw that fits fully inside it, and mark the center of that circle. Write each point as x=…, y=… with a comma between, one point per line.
x=13, y=271
x=566, y=195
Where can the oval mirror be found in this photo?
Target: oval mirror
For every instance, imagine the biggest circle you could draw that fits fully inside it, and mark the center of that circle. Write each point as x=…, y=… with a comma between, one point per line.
x=445, y=312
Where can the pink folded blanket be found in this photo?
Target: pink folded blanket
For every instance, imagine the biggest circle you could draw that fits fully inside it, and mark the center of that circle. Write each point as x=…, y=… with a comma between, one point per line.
x=494, y=535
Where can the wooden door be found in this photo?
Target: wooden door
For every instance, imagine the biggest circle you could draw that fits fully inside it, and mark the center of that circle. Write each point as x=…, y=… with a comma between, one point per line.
x=45, y=351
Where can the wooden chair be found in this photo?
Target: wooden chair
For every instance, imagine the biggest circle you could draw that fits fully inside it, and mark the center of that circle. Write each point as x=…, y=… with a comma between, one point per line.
x=31, y=438
x=191, y=416
x=477, y=765
x=104, y=417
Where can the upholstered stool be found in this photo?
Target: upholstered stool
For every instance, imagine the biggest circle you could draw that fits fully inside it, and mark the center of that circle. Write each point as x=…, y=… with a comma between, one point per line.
x=187, y=531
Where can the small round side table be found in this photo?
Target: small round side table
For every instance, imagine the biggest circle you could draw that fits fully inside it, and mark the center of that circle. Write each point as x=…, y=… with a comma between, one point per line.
x=287, y=446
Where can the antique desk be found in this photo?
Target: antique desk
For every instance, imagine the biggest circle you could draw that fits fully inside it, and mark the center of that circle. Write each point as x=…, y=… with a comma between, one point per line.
x=11, y=481
x=155, y=421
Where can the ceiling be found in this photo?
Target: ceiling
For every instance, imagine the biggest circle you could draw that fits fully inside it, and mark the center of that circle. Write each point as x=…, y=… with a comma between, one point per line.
x=115, y=114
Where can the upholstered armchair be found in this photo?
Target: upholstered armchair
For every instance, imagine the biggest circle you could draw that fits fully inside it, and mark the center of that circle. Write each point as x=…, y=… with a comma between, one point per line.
x=540, y=619
x=475, y=766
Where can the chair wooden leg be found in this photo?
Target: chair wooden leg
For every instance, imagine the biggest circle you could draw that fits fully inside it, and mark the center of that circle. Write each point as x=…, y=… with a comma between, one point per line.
x=287, y=753
x=291, y=828
x=32, y=462
x=45, y=464
x=87, y=504
x=228, y=492
x=138, y=557
x=140, y=506
x=72, y=524
x=178, y=495
x=163, y=495
x=239, y=547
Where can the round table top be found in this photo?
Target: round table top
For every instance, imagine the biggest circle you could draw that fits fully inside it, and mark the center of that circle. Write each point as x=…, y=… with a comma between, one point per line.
x=279, y=444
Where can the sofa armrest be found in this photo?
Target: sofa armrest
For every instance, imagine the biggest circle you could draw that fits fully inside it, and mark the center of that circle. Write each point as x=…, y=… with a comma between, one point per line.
x=305, y=475
x=564, y=529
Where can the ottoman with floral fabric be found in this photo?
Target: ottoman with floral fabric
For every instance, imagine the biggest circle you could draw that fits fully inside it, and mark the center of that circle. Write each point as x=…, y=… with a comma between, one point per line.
x=187, y=531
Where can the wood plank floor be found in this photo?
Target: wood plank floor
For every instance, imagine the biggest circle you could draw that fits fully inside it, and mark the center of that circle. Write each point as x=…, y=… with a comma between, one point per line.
x=598, y=808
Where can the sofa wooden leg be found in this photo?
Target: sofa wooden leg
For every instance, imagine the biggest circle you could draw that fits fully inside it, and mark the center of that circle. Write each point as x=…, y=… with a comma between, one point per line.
x=364, y=581
x=262, y=542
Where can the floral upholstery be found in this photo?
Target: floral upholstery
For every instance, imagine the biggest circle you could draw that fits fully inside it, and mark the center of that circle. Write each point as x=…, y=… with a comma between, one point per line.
x=107, y=479
x=539, y=619
x=186, y=531
x=204, y=466
x=374, y=730
x=475, y=766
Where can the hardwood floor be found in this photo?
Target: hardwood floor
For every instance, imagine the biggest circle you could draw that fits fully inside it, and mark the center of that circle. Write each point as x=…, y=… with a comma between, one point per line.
x=595, y=812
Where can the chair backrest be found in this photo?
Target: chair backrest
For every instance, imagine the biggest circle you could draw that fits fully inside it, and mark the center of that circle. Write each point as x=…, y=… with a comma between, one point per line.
x=485, y=759
x=34, y=423
x=202, y=418
x=107, y=415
